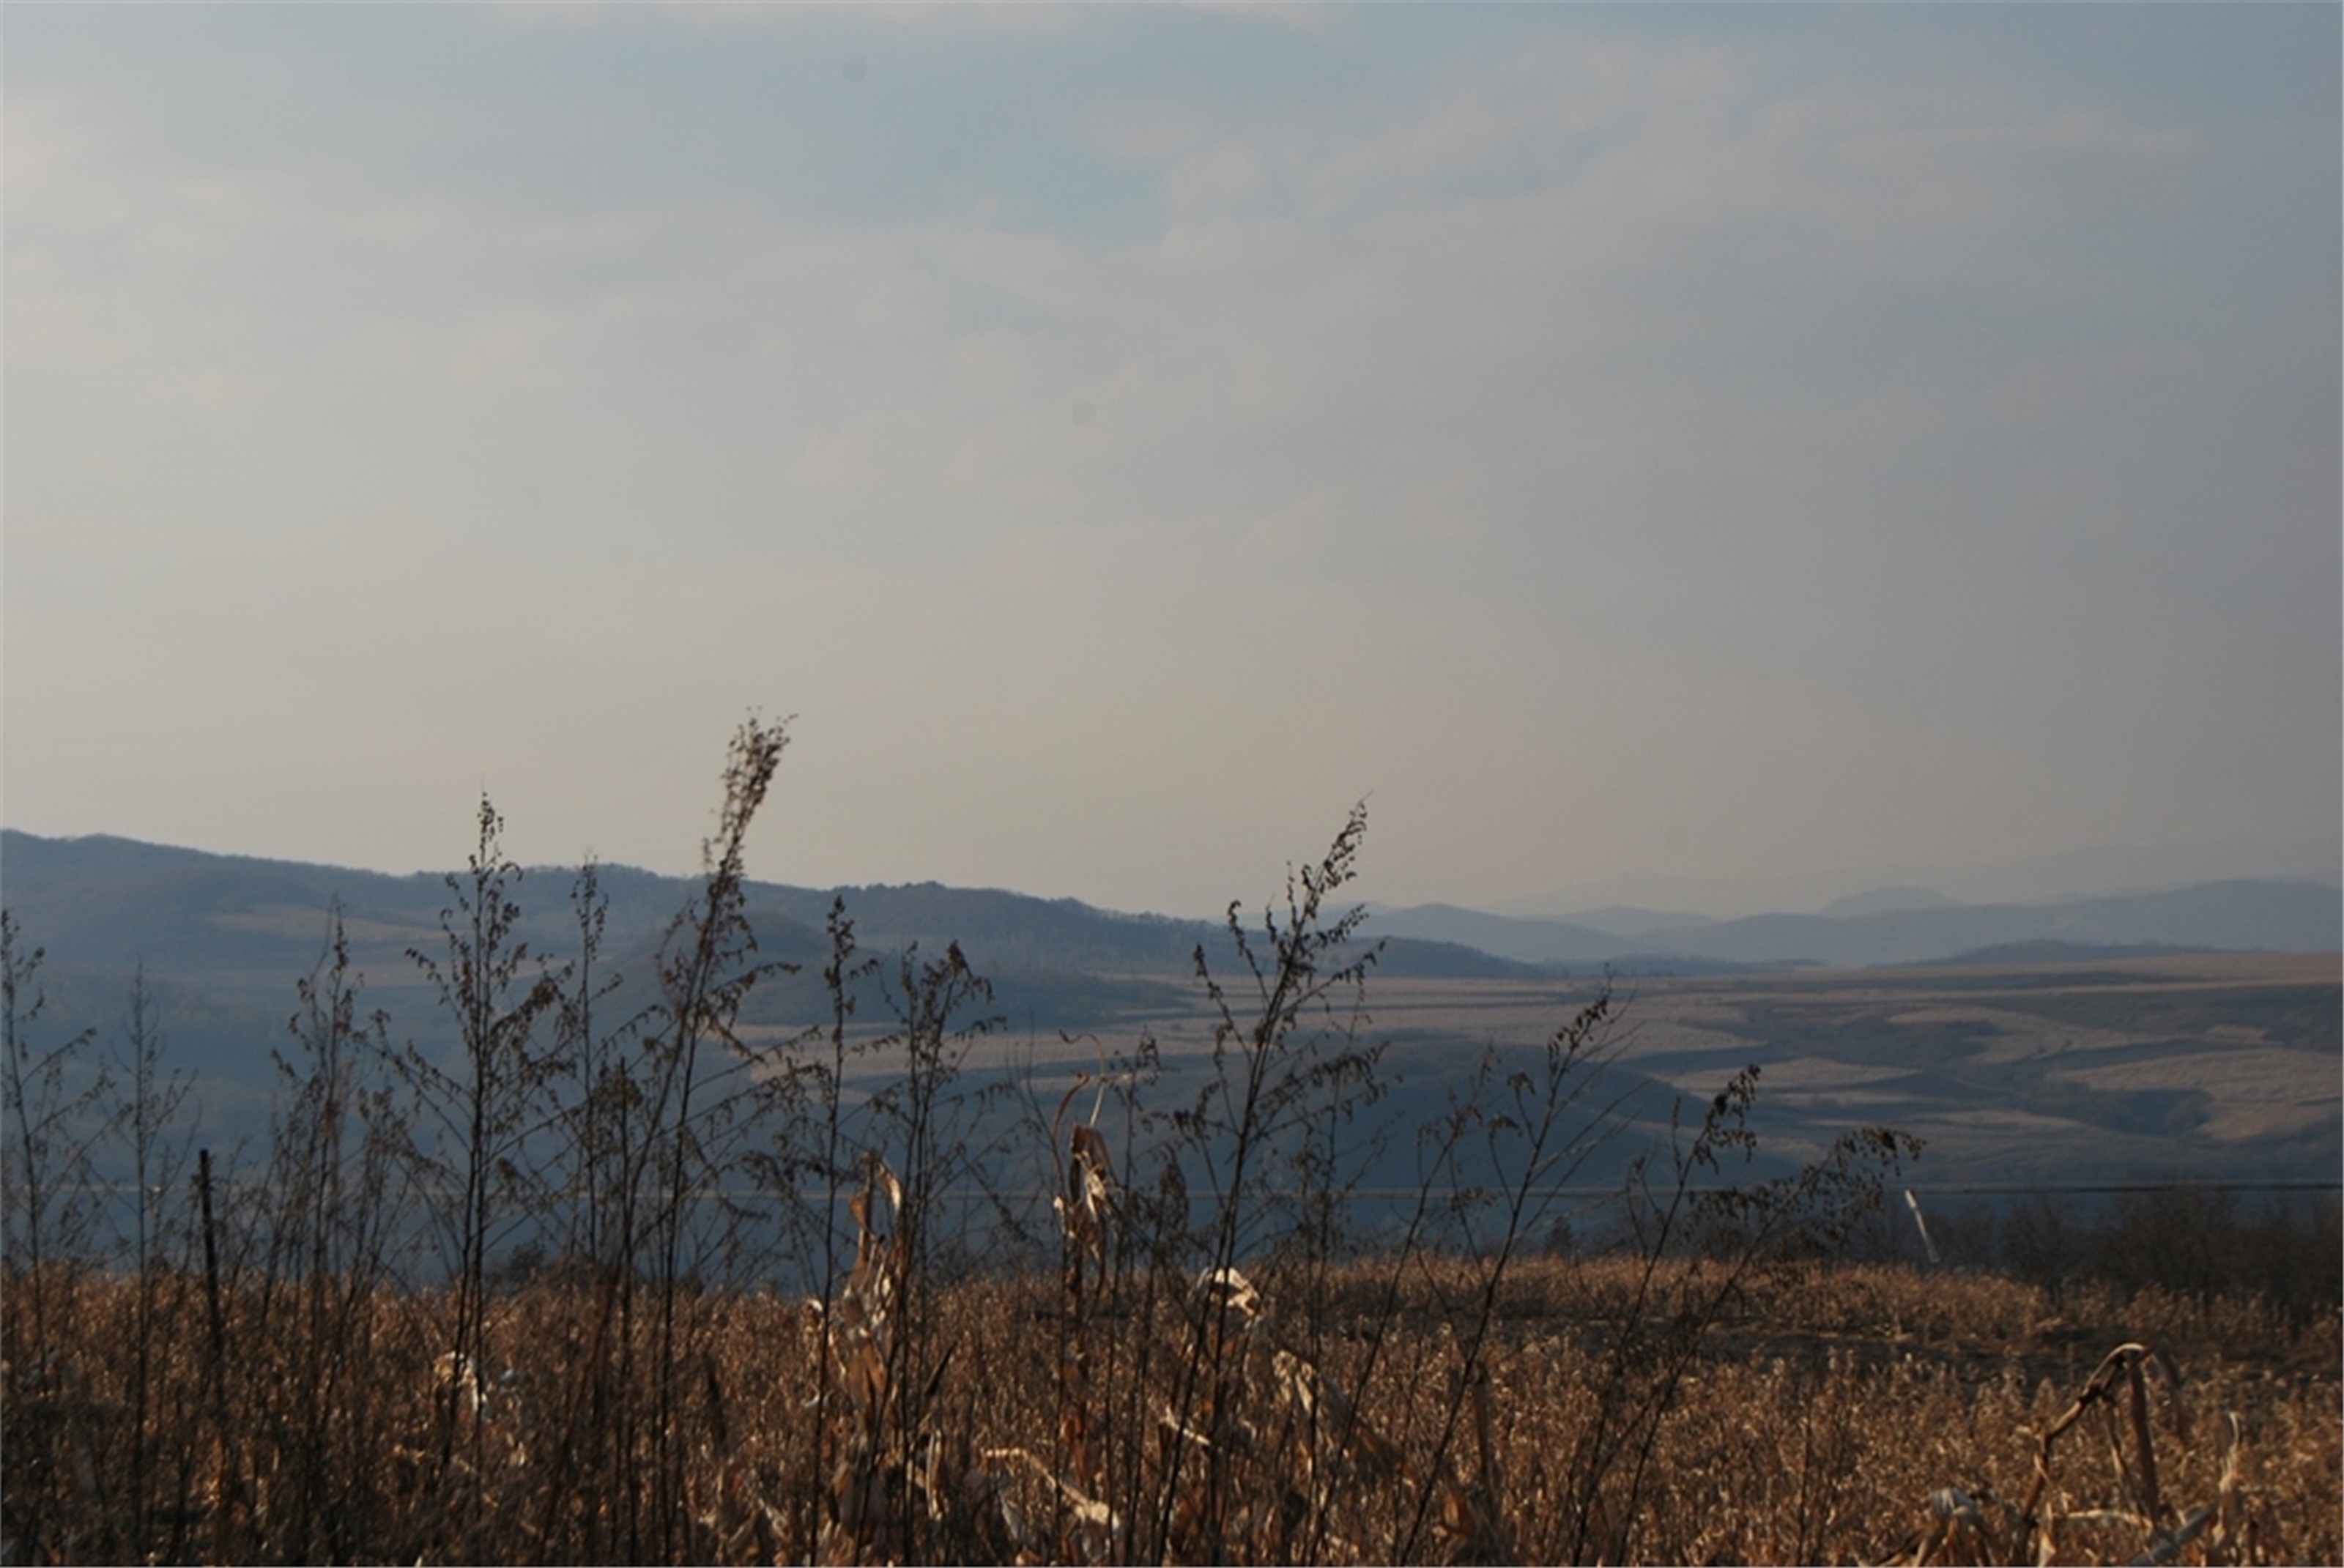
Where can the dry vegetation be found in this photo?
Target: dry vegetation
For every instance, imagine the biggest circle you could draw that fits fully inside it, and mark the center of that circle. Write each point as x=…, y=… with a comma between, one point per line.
x=1836, y=1413
x=322, y=1359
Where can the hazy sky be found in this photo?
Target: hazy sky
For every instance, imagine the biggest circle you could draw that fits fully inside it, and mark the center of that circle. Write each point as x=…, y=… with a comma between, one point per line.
x=1735, y=444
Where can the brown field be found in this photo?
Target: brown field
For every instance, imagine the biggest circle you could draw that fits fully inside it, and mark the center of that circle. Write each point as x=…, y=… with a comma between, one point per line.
x=1819, y=1415
x=2202, y=1066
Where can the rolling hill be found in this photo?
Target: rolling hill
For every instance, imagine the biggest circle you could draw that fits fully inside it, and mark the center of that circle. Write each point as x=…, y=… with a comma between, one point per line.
x=2132, y=1036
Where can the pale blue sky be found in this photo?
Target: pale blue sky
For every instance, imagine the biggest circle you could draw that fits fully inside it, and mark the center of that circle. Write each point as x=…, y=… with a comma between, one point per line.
x=1769, y=448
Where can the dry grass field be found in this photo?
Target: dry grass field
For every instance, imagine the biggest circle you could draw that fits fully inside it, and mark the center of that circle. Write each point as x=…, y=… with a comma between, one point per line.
x=1823, y=1414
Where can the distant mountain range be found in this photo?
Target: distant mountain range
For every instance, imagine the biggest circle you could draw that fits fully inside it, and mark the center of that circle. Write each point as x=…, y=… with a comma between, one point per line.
x=107, y=901
x=2060, y=877
x=1902, y=926
x=104, y=901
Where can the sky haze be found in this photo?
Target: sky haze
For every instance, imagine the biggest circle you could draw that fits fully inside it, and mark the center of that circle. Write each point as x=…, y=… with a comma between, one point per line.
x=1741, y=451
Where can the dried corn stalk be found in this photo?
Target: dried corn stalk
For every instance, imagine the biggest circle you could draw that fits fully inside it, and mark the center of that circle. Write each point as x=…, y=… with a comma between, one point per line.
x=2127, y=1365
x=1083, y=1212
x=864, y=1519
